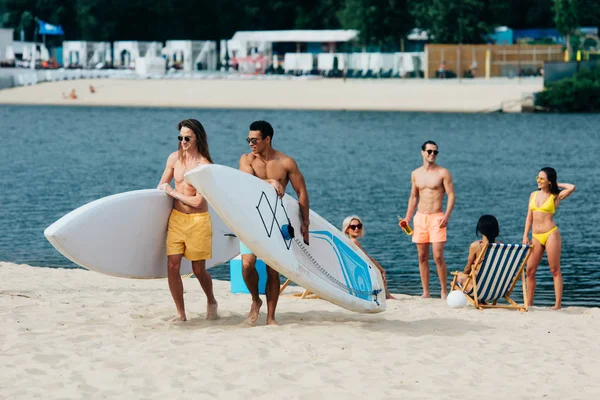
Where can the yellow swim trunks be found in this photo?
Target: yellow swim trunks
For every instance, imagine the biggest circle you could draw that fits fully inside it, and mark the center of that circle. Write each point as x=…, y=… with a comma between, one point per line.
x=190, y=235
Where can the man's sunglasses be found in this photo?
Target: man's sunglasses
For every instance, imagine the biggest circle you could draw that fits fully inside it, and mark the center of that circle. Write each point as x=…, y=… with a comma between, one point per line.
x=187, y=138
x=252, y=140
x=435, y=152
x=355, y=227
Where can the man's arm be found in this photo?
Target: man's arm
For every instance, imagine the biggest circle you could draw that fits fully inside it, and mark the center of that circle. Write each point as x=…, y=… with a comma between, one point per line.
x=167, y=175
x=449, y=188
x=412, y=200
x=299, y=185
x=245, y=165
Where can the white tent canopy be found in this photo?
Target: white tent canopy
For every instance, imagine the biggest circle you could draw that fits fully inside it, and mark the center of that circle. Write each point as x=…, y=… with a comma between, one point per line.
x=296, y=36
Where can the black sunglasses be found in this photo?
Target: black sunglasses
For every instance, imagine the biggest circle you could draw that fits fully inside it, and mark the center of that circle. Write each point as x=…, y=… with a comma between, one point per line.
x=252, y=140
x=187, y=138
x=355, y=227
x=432, y=151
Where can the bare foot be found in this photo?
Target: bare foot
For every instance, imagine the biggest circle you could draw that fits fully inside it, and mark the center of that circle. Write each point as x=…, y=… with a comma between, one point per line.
x=556, y=307
x=254, y=311
x=211, y=311
x=425, y=295
x=390, y=297
x=444, y=295
x=178, y=318
x=272, y=322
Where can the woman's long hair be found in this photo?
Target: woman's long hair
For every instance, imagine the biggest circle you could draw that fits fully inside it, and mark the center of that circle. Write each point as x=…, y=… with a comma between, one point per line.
x=201, y=140
x=552, y=178
x=488, y=226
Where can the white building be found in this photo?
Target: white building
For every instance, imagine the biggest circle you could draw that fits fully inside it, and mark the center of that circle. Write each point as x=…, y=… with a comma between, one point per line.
x=86, y=54
x=250, y=49
x=6, y=43
x=191, y=55
x=127, y=52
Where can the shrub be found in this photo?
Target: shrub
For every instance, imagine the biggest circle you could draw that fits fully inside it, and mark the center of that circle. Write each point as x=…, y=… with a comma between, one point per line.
x=580, y=93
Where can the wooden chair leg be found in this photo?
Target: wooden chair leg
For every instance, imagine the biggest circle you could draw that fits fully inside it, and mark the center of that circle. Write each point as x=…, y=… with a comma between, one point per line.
x=285, y=284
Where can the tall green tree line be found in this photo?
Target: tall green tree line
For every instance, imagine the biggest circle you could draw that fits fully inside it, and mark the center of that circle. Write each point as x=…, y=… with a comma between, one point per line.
x=381, y=23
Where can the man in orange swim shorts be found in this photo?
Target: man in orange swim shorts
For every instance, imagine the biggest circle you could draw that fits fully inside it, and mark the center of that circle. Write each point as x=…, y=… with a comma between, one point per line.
x=429, y=184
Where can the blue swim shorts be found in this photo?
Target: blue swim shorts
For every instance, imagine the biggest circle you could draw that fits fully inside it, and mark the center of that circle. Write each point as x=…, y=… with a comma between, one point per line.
x=244, y=249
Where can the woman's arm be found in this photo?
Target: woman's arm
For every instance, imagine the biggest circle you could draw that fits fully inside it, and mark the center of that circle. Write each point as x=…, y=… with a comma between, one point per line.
x=528, y=222
x=471, y=258
x=379, y=267
x=567, y=190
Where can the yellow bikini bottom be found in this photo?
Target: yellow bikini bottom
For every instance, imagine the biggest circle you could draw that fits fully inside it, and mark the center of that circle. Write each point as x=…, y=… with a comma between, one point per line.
x=543, y=237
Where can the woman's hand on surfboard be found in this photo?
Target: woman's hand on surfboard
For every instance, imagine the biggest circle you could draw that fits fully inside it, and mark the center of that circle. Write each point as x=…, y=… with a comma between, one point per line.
x=278, y=187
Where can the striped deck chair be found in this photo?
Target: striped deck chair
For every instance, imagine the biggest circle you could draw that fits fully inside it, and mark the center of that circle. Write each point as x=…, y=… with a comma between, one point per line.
x=498, y=268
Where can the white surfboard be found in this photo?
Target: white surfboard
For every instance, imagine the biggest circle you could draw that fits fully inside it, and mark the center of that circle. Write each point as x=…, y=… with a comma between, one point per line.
x=330, y=266
x=125, y=235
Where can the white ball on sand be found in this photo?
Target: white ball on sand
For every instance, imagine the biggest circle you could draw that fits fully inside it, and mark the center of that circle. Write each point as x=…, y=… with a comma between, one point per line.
x=456, y=299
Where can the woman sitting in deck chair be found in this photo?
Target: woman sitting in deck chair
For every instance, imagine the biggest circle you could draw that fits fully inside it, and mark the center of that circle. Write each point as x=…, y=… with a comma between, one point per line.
x=493, y=269
x=488, y=228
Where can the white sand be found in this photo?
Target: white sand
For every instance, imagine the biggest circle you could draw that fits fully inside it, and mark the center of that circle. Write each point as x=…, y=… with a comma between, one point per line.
x=324, y=94
x=73, y=334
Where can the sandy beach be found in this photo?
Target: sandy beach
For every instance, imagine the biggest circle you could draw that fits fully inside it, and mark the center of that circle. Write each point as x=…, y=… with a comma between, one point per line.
x=71, y=334
x=304, y=94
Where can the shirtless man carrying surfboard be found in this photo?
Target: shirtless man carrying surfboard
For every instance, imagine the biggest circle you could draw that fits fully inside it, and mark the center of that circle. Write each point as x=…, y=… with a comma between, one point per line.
x=190, y=230
x=277, y=169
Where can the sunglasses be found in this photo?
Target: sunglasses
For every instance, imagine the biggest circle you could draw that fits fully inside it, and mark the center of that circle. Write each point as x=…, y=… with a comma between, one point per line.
x=435, y=152
x=187, y=138
x=355, y=227
x=252, y=140
x=539, y=179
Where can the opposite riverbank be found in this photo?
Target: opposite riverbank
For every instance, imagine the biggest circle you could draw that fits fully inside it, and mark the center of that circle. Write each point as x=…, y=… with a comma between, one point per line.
x=303, y=94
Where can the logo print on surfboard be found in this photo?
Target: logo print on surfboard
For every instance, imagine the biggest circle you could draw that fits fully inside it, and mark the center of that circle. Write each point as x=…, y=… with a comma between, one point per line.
x=355, y=277
x=268, y=216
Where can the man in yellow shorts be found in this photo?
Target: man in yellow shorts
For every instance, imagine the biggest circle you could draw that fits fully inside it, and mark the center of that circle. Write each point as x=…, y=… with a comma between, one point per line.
x=429, y=184
x=190, y=230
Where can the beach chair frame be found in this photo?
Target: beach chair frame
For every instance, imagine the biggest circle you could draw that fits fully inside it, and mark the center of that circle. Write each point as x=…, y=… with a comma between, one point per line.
x=472, y=278
x=304, y=295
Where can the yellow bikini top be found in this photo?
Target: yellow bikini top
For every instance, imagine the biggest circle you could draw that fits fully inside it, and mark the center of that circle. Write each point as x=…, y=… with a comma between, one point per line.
x=547, y=207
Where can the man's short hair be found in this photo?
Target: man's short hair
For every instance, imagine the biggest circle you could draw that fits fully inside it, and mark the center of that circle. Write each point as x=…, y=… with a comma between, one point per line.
x=263, y=127
x=428, y=142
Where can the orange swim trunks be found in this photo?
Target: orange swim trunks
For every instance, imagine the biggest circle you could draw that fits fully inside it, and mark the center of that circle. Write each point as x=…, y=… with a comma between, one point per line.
x=427, y=228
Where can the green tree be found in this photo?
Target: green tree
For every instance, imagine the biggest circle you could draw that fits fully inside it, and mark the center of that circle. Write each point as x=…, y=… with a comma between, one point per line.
x=459, y=21
x=566, y=18
x=317, y=14
x=381, y=23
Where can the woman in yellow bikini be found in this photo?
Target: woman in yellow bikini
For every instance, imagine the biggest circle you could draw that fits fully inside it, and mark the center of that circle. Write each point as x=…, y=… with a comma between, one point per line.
x=544, y=232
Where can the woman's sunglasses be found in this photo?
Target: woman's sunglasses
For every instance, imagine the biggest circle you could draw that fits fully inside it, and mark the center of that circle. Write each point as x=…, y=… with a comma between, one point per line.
x=435, y=152
x=187, y=138
x=355, y=227
x=539, y=179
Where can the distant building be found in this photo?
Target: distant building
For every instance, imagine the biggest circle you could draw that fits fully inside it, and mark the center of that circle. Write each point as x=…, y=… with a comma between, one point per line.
x=504, y=35
x=6, y=43
x=127, y=52
x=191, y=55
x=252, y=51
x=84, y=54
